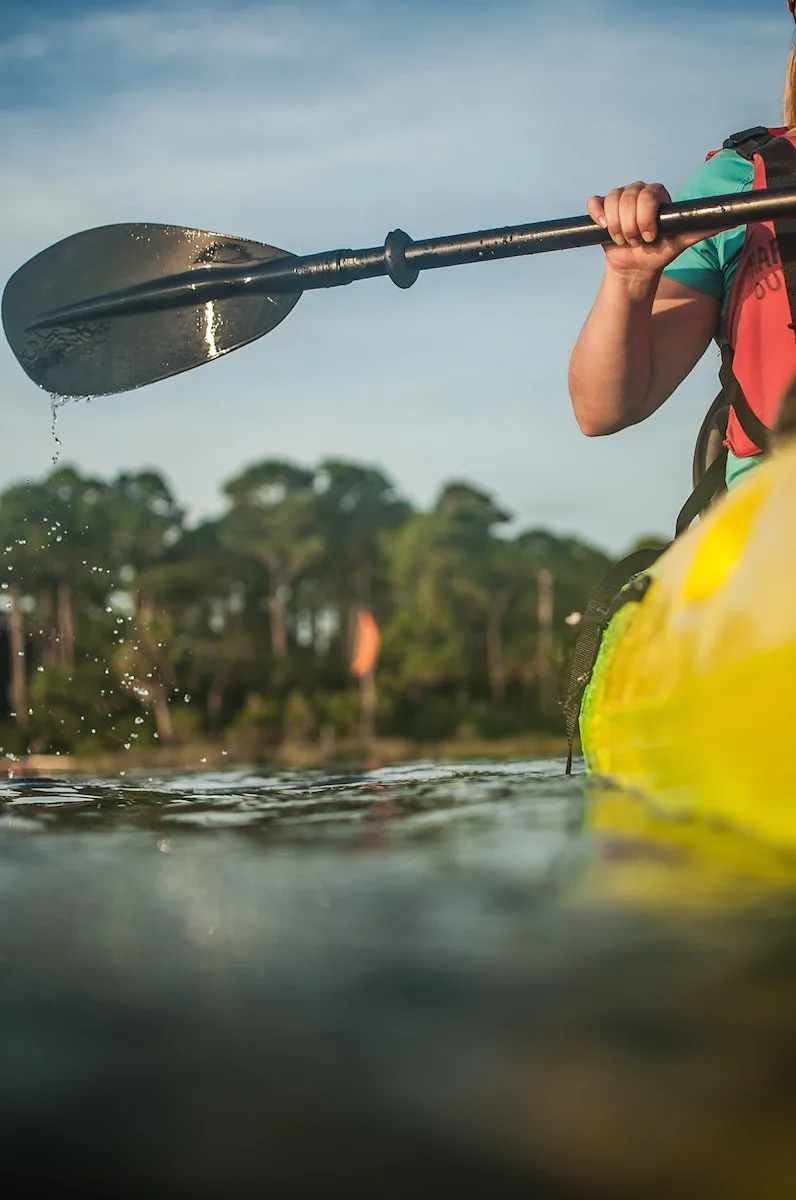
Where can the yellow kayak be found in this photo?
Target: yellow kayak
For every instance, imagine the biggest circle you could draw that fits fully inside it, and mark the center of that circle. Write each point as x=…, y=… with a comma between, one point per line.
x=693, y=697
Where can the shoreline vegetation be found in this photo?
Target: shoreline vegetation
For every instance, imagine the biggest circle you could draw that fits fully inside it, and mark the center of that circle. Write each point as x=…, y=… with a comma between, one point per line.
x=130, y=638
x=382, y=752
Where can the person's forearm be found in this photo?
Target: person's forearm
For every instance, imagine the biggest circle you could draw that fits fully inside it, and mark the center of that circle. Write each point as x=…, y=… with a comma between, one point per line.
x=610, y=371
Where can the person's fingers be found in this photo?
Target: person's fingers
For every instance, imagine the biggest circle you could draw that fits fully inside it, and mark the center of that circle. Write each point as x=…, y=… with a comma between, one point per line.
x=649, y=201
x=628, y=212
x=613, y=223
x=595, y=207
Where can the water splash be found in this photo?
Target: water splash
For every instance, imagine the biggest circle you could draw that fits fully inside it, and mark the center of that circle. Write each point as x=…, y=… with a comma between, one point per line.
x=57, y=401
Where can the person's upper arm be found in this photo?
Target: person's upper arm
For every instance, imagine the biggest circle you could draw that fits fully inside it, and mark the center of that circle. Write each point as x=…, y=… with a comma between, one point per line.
x=684, y=321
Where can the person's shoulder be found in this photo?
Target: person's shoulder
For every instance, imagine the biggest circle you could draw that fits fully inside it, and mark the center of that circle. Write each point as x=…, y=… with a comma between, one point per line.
x=723, y=172
x=703, y=266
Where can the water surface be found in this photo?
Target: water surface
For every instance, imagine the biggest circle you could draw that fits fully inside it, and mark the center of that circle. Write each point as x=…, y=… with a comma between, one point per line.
x=425, y=980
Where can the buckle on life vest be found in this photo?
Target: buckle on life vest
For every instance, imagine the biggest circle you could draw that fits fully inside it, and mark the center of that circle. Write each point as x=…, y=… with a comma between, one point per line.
x=748, y=141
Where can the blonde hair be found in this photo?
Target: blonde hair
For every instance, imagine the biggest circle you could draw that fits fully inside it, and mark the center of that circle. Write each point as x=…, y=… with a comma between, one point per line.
x=789, y=102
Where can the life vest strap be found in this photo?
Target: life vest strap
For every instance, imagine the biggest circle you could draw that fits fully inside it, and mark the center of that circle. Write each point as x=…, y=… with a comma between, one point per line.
x=779, y=157
x=709, y=487
x=748, y=142
x=750, y=423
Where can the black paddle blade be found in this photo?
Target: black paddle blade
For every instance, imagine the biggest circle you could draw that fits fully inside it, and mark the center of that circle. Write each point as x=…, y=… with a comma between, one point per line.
x=115, y=353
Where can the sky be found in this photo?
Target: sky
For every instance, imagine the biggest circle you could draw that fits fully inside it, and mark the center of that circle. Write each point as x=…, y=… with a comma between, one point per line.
x=317, y=124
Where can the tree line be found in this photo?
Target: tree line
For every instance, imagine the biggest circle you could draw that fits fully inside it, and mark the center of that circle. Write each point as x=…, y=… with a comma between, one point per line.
x=123, y=624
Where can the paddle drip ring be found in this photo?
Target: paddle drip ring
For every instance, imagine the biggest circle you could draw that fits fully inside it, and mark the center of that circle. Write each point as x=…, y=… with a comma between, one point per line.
x=398, y=269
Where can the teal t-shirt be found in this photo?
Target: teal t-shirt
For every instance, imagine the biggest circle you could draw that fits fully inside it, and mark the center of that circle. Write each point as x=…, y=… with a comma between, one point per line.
x=710, y=265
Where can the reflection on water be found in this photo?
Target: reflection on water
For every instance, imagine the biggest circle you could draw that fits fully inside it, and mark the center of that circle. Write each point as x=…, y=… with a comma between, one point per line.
x=421, y=981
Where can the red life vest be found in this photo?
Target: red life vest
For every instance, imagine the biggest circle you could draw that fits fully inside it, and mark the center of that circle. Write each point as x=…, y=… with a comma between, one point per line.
x=758, y=341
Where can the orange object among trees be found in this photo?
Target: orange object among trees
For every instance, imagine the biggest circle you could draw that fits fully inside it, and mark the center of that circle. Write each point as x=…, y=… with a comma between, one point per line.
x=367, y=643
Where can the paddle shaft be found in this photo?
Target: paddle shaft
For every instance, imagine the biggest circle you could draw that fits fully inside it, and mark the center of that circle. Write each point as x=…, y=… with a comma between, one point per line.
x=402, y=259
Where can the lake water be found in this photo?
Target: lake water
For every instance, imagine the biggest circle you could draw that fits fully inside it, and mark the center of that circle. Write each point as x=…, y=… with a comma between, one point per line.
x=427, y=980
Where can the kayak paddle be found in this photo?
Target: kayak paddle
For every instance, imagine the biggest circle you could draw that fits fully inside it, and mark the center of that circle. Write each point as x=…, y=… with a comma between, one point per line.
x=120, y=306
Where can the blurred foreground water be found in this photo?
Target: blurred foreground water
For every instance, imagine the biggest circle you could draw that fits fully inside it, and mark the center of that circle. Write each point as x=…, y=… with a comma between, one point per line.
x=427, y=980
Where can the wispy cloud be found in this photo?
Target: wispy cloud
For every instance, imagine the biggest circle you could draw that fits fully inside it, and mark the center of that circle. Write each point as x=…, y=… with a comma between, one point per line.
x=315, y=125
x=21, y=47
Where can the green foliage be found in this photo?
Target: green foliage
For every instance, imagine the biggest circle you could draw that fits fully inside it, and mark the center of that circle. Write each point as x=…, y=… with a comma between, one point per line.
x=239, y=628
x=80, y=711
x=338, y=712
x=257, y=723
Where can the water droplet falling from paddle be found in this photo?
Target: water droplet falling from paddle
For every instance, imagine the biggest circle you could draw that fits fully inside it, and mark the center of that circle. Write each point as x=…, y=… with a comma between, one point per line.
x=56, y=402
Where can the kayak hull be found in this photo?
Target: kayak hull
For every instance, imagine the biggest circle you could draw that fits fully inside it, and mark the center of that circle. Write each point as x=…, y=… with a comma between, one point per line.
x=691, y=702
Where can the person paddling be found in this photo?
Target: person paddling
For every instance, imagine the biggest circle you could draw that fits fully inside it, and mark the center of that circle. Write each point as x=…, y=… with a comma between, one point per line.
x=662, y=300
